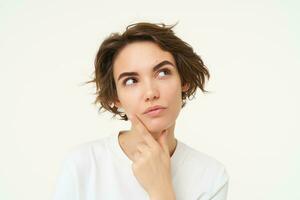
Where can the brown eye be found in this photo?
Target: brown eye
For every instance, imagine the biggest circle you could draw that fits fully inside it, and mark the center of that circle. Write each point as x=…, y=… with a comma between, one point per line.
x=166, y=71
x=128, y=81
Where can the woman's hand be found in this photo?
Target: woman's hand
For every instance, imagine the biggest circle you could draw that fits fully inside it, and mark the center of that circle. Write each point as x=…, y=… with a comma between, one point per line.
x=151, y=163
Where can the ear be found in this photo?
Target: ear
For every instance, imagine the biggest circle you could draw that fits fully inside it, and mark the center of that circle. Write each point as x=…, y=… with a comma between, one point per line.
x=117, y=103
x=185, y=87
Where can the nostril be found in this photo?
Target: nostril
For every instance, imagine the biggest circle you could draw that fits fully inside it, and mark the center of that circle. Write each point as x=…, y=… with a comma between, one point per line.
x=155, y=97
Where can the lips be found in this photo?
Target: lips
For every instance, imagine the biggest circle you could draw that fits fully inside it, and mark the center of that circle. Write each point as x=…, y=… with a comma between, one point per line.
x=153, y=108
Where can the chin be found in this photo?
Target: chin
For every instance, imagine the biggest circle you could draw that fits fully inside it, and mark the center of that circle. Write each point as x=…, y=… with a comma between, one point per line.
x=158, y=125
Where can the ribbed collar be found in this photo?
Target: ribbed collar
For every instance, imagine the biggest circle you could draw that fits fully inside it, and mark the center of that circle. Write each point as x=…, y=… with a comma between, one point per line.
x=176, y=158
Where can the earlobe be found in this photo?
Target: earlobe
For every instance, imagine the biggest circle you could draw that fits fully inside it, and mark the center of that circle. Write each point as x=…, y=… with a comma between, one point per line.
x=185, y=87
x=117, y=104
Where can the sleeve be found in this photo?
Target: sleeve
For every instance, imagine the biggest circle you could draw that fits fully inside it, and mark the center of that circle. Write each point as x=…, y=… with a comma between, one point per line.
x=67, y=182
x=220, y=190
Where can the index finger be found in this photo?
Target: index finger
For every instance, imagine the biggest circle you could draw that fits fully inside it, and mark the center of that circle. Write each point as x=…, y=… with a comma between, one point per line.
x=137, y=122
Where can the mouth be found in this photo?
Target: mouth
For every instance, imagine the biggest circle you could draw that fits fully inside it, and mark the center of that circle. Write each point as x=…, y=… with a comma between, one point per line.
x=152, y=108
x=155, y=112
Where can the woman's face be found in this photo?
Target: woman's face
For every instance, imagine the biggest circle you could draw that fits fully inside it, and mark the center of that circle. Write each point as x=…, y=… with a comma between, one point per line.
x=148, y=85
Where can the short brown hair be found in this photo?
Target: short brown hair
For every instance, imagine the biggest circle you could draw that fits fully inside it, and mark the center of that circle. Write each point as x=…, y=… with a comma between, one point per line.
x=190, y=66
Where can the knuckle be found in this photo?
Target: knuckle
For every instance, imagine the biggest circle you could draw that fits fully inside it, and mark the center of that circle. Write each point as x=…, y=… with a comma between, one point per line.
x=148, y=153
x=156, y=150
x=145, y=136
x=141, y=145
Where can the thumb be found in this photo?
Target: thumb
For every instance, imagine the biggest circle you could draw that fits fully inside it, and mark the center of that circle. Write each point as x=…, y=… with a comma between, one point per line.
x=162, y=140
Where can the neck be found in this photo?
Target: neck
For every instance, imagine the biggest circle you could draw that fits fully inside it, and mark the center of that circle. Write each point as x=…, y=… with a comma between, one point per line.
x=130, y=139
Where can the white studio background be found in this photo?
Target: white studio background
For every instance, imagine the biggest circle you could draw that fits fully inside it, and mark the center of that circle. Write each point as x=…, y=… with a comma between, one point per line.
x=248, y=121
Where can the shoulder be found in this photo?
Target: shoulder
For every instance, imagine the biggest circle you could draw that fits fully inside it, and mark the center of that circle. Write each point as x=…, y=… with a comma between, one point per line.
x=76, y=168
x=208, y=166
x=83, y=155
x=204, y=159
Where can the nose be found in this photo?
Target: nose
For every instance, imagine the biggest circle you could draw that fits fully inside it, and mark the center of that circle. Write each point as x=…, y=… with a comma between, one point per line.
x=151, y=92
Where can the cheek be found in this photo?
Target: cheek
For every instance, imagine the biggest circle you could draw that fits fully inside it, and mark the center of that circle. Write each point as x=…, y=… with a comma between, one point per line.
x=173, y=93
x=175, y=103
x=129, y=100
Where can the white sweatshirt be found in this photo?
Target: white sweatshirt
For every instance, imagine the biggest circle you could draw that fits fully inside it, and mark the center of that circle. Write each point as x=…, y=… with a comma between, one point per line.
x=100, y=170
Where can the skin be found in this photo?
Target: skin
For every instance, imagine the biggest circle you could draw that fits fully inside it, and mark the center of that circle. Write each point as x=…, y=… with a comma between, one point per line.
x=150, y=142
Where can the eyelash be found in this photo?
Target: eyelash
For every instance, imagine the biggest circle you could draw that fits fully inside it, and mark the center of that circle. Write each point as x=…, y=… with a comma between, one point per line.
x=168, y=72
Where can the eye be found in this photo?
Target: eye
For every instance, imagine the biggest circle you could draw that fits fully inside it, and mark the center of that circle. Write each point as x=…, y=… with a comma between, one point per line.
x=166, y=71
x=129, y=81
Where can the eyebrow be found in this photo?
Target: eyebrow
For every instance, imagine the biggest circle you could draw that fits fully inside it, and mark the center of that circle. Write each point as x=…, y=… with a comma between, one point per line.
x=156, y=67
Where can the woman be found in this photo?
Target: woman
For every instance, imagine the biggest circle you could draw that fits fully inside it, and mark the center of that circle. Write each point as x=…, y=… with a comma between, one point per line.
x=144, y=75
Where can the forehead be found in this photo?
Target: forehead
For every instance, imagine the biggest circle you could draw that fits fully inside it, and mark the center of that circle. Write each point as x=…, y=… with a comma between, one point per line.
x=140, y=55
